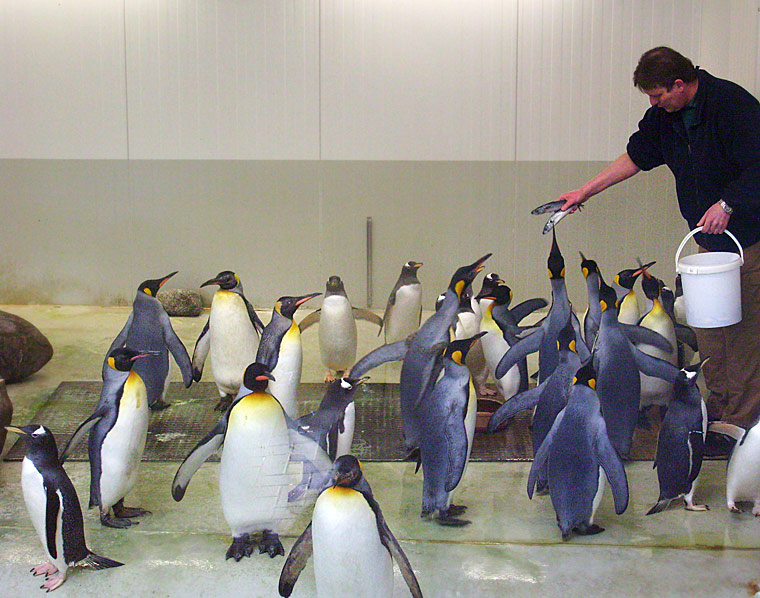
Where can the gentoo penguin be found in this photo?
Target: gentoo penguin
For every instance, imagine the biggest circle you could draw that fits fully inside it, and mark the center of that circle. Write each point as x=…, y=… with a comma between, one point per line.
x=681, y=442
x=281, y=351
x=656, y=391
x=592, y=315
x=627, y=301
x=148, y=328
x=352, y=545
x=422, y=352
x=743, y=474
x=403, y=311
x=468, y=325
x=332, y=424
x=53, y=507
x=230, y=337
x=254, y=473
x=544, y=338
x=548, y=399
x=447, y=430
x=618, y=362
x=337, y=328
x=575, y=451
x=118, y=430
x=495, y=345
x=685, y=335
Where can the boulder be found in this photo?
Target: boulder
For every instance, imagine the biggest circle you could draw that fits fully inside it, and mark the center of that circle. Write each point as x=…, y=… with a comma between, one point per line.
x=23, y=348
x=6, y=413
x=181, y=302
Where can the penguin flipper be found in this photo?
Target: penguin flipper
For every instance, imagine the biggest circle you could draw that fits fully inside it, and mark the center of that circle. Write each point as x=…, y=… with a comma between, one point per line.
x=393, y=352
x=79, y=434
x=639, y=334
x=613, y=467
x=208, y=445
x=580, y=345
x=296, y=561
x=652, y=366
x=200, y=352
x=258, y=325
x=52, y=508
x=542, y=455
x=365, y=314
x=686, y=335
x=309, y=320
x=119, y=341
x=524, y=347
x=520, y=402
x=527, y=307
x=177, y=349
x=731, y=430
x=456, y=446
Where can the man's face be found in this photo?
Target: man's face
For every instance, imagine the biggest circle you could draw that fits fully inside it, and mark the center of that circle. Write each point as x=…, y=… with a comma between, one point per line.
x=670, y=100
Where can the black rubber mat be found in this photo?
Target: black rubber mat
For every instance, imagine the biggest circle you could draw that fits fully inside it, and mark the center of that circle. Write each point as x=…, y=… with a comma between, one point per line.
x=174, y=431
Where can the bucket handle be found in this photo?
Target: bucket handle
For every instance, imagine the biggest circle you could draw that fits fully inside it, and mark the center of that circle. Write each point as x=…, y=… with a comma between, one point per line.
x=698, y=229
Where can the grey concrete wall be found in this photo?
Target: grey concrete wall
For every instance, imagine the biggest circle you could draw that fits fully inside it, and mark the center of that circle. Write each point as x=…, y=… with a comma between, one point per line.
x=89, y=231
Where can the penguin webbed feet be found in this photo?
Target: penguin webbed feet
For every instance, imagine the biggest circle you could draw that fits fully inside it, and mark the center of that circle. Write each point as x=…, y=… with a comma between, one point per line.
x=45, y=569
x=542, y=488
x=270, y=543
x=224, y=403
x=590, y=529
x=241, y=546
x=159, y=405
x=448, y=517
x=122, y=512
x=107, y=520
x=53, y=582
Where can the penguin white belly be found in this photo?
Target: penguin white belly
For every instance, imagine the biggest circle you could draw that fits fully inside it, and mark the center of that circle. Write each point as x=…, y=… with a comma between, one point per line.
x=123, y=446
x=468, y=325
x=404, y=317
x=655, y=391
x=629, y=312
x=337, y=333
x=599, y=494
x=253, y=472
x=743, y=475
x=287, y=372
x=349, y=559
x=35, y=497
x=346, y=438
x=494, y=348
x=470, y=419
x=234, y=341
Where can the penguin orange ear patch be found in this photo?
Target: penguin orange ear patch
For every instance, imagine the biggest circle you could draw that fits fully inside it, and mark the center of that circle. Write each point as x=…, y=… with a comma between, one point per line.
x=459, y=287
x=112, y=363
x=147, y=291
x=573, y=347
x=585, y=272
x=592, y=383
x=603, y=305
x=456, y=357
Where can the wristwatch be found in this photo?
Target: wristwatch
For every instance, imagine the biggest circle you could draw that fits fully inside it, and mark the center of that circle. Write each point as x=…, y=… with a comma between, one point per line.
x=726, y=208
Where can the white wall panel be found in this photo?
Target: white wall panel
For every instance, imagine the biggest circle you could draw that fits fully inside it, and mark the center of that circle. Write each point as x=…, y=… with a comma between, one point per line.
x=62, y=79
x=223, y=79
x=418, y=80
x=575, y=97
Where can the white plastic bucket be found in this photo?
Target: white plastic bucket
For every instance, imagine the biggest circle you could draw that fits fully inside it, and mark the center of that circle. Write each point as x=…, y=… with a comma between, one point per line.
x=711, y=285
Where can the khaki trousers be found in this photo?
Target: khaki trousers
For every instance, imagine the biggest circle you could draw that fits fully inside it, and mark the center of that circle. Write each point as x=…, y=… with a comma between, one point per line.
x=732, y=374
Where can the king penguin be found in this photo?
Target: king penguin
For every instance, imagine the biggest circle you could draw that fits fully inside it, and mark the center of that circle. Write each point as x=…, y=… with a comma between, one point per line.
x=337, y=328
x=118, y=430
x=54, y=509
x=627, y=301
x=255, y=469
x=403, y=311
x=148, y=328
x=353, y=546
x=575, y=451
x=280, y=349
x=592, y=316
x=495, y=345
x=681, y=443
x=468, y=325
x=230, y=337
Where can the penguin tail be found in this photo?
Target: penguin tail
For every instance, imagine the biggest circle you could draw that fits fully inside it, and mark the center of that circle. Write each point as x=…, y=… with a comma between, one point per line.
x=661, y=505
x=95, y=561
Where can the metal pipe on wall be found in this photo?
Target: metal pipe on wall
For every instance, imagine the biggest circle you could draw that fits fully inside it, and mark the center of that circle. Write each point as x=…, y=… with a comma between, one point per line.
x=369, y=261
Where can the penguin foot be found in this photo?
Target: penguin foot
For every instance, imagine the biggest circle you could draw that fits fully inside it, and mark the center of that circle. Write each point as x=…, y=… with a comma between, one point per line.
x=270, y=543
x=329, y=377
x=542, y=488
x=448, y=519
x=224, y=403
x=159, y=405
x=241, y=546
x=734, y=509
x=116, y=522
x=44, y=569
x=693, y=507
x=484, y=391
x=756, y=511
x=456, y=509
x=643, y=421
x=122, y=512
x=51, y=583
x=588, y=530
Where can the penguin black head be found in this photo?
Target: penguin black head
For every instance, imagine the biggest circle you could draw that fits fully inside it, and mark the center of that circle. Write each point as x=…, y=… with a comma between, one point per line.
x=256, y=377
x=122, y=359
x=586, y=375
x=588, y=266
x=335, y=286
x=439, y=301
x=227, y=280
x=287, y=306
x=555, y=262
x=607, y=296
x=457, y=350
x=346, y=472
x=627, y=278
x=566, y=339
x=651, y=286
x=465, y=275
x=40, y=443
x=679, y=286
x=348, y=385
x=490, y=282
x=502, y=295
x=411, y=267
x=686, y=380
x=150, y=287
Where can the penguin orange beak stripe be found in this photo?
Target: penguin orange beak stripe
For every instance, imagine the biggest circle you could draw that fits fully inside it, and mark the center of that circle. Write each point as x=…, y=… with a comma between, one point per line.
x=211, y=281
x=263, y=377
x=305, y=298
x=167, y=277
x=643, y=268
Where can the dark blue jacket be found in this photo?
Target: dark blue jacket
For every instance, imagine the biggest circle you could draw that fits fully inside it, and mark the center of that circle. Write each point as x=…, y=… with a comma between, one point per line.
x=722, y=161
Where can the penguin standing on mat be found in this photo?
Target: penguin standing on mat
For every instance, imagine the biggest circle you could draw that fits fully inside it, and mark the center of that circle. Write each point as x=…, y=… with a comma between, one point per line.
x=363, y=566
x=149, y=328
x=53, y=507
x=230, y=337
x=337, y=328
x=118, y=430
x=403, y=311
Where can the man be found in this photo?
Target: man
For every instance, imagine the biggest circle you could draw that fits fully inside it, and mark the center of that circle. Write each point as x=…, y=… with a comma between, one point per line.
x=707, y=131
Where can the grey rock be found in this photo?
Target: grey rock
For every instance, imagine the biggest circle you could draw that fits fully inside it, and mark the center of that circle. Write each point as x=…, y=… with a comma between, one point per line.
x=6, y=413
x=181, y=302
x=23, y=348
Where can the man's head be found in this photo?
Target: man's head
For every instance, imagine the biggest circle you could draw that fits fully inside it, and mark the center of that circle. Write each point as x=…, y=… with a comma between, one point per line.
x=667, y=77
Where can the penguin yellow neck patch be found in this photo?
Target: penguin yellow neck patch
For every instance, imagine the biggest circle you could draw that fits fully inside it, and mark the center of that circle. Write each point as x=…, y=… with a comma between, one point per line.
x=459, y=287
x=456, y=357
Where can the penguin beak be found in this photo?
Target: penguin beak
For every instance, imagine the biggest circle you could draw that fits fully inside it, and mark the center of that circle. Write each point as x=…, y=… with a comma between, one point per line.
x=263, y=377
x=476, y=337
x=305, y=298
x=148, y=354
x=165, y=278
x=15, y=430
x=643, y=269
x=478, y=266
x=210, y=282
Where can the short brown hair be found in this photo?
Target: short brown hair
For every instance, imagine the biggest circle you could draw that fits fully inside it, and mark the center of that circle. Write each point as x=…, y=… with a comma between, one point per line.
x=660, y=67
